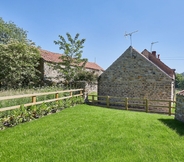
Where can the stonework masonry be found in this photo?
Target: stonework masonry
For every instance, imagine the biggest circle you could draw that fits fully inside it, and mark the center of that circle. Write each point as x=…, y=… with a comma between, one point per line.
x=135, y=76
x=50, y=73
x=49, y=59
x=179, y=114
x=55, y=75
x=88, y=88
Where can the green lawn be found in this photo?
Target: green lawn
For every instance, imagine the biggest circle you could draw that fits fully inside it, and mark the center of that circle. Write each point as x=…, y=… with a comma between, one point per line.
x=93, y=134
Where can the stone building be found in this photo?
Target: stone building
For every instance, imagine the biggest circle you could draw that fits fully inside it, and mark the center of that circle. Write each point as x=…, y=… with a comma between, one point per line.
x=49, y=73
x=179, y=114
x=138, y=75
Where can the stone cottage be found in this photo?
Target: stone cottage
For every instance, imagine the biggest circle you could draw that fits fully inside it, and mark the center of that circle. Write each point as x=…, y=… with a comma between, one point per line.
x=49, y=73
x=138, y=75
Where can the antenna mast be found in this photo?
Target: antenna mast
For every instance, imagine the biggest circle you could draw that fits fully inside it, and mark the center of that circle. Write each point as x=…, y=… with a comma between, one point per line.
x=152, y=45
x=130, y=34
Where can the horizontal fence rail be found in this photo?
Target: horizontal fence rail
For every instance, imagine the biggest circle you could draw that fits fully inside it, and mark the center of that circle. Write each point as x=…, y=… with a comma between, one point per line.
x=35, y=95
x=138, y=104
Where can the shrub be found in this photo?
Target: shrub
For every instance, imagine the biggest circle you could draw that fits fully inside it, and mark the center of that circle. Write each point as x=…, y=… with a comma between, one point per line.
x=11, y=118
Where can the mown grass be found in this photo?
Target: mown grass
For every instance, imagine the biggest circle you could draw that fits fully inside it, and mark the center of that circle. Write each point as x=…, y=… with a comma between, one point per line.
x=92, y=93
x=88, y=133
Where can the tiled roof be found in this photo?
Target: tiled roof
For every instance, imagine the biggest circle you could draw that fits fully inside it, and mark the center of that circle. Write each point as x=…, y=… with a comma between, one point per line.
x=92, y=65
x=50, y=56
x=159, y=63
x=55, y=58
x=181, y=93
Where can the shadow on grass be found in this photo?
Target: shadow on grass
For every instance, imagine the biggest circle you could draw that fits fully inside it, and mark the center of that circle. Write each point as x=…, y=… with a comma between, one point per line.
x=175, y=125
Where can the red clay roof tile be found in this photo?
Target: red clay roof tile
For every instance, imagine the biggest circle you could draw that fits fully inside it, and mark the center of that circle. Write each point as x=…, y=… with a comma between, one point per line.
x=50, y=56
x=55, y=58
x=159, y=63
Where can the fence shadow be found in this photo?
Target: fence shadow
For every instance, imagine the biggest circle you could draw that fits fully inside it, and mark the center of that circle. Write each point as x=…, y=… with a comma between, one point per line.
x=175, y=125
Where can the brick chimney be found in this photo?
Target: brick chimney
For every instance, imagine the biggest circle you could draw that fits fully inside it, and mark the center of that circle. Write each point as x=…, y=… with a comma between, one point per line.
x=154, y=53
x=159, y=56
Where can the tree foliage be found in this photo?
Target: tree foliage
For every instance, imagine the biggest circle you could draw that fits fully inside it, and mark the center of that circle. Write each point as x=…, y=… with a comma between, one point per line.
x=18, y=64
x=9, y=30
x=179, y=82
x=87, y=76
x=19, y=57
x=72, y=62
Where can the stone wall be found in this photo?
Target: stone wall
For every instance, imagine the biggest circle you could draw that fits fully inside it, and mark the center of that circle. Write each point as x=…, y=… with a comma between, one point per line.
x=88, y=88
x=179, y=114
x=55, y=76
x=133, y=75
x=50, y=73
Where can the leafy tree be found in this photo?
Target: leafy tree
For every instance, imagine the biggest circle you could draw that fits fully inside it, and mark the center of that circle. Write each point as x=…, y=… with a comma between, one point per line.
x=18, y=64
x=72, y=62
x=10, y=31
x=87, y=76
x=19, y=56
x=179, y=81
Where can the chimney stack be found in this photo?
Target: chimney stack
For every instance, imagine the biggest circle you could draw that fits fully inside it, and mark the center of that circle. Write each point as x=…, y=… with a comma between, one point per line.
x=159, y=56
x=154, y=53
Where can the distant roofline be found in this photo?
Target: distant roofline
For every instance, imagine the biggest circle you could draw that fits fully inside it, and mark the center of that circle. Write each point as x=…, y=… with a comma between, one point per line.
x=156, y=61
x=53, y=57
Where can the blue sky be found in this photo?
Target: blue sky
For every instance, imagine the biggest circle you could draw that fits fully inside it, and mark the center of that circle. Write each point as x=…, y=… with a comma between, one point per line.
x=103, y=24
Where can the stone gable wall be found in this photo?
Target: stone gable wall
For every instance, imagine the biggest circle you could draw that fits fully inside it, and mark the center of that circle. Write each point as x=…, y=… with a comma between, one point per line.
x=133, y=75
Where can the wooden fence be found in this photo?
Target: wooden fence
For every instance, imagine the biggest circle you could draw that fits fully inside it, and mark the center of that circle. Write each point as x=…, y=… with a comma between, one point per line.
x=137, y=104
x=78, y=92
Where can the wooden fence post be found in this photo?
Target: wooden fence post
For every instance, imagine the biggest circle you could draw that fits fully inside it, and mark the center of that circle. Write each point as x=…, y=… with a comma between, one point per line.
x=71, y=93
x=56, y=95
x=93, y=99
x=80, y=92
x=170, y=108
x=147, y=105
x=126, y=103
x=33, y=99
x=108, y=101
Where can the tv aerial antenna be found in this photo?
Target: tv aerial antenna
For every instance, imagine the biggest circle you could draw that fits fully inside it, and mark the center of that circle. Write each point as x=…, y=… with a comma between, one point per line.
x=130, y=34
x=152, y=45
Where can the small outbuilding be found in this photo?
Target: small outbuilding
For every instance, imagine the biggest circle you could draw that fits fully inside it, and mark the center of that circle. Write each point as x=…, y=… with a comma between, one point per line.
x=48, y=59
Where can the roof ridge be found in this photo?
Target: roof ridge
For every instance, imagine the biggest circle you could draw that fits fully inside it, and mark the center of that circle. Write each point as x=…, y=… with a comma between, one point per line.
x=161, y=65
x=54, y=57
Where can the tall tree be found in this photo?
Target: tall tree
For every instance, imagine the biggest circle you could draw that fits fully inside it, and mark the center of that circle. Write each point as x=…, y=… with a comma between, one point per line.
x=19, y=57
x=18, y=64
x=72, y=62
x=9, y=30
x=179, y=81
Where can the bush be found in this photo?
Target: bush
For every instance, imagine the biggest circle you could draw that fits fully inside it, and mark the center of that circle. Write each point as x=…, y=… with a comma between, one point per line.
x=11, y=118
